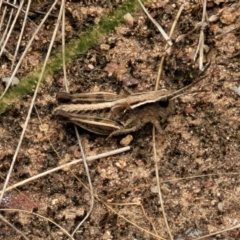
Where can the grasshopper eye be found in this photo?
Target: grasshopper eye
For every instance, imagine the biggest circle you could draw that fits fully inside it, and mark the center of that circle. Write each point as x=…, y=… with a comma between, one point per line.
x=164, y=103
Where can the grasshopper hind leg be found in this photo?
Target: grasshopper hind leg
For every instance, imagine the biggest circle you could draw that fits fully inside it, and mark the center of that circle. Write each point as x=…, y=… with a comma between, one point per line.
x=122, y=131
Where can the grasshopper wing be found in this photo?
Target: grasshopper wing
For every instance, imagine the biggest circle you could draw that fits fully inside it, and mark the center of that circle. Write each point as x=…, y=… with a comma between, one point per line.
x=88, y=97
x=98, y=125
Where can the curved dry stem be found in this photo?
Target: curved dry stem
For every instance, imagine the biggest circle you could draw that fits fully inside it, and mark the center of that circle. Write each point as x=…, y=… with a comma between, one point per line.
x=153, y=130
x=9, y=31
x=89, y=181
x=75, y=47
x=13, y=227
x=40, y=216
x=121, y=216
x=22, y=31
x=30, y=109
x=200, y=47
x=89, y=159
x=26, y=50
x=164, y=34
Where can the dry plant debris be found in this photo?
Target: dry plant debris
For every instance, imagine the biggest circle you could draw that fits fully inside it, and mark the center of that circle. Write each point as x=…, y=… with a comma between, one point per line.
x=199, y=148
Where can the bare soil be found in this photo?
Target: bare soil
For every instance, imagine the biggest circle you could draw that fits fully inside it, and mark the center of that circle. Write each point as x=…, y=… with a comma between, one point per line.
x=198, y=153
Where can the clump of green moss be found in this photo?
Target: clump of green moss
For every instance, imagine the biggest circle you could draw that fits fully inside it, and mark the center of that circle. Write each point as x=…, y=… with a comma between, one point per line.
x=75, y=47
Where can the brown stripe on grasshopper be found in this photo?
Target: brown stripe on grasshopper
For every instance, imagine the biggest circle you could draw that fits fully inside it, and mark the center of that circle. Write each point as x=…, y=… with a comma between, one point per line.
x=119, y=103
x=126, y=114
x=129, y=121
x=105, y=100
x=131, y=101
x=98, y=125
x=88, y=97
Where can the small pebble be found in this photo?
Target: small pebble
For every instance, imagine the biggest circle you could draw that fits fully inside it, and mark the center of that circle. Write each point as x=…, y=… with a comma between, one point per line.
x=220, y=206
x=236, y=90
x=90, y=67
x=128, y=19
x=190, y=110
x=104, y=47
x=129, y=81
x=126, y=141
x=121, y=164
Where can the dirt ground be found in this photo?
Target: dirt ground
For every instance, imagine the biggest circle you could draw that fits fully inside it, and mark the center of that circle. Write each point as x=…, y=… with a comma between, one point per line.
x=198, y=152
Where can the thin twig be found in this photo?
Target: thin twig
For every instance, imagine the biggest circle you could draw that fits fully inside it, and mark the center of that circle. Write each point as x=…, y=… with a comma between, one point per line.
x=1, y=2
x=75, y=128
x=27, y=47
x=138, y=203
x=166, y=46
x=11, y=28
x=158, y=183
x=40, y=216
x=30, y=108
x=21, y=34
x=200, y=47
x=28, y=12
x=129, y=221
x=153, y=130
x=13, y=227
x=121, y=216
x=164, y=34
x=89, y=159
x=89, y=182
x=171, y=180
x=218, y=232
x=2, y=21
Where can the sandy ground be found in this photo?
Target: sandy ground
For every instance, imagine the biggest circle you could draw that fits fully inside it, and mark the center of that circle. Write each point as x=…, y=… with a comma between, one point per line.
x=198, y=152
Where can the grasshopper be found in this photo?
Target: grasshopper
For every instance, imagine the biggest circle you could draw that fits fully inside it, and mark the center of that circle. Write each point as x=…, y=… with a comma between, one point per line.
x=105, y=100
x=107, y=123
x=111, y=114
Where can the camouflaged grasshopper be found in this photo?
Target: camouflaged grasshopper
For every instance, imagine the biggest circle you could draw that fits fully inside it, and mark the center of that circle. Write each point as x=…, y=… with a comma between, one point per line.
x=111, y=114
x=118, y=115
x=104, y=100
x=105, y=122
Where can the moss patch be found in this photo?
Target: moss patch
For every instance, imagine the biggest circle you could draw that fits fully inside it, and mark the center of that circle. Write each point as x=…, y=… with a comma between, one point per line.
x=73, y=49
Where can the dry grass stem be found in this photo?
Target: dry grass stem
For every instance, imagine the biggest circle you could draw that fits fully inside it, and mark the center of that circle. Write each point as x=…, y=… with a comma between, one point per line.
x=27, y=48
x=200, y=47
x=132, y=223
x=75, y=128
x=13, y=227
x=89, y=159
x=94, y=52
x=30, y=108
x=164, y=34
x=89, y=182
x=40, y=216
x=153, y=129
x=21, y=33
